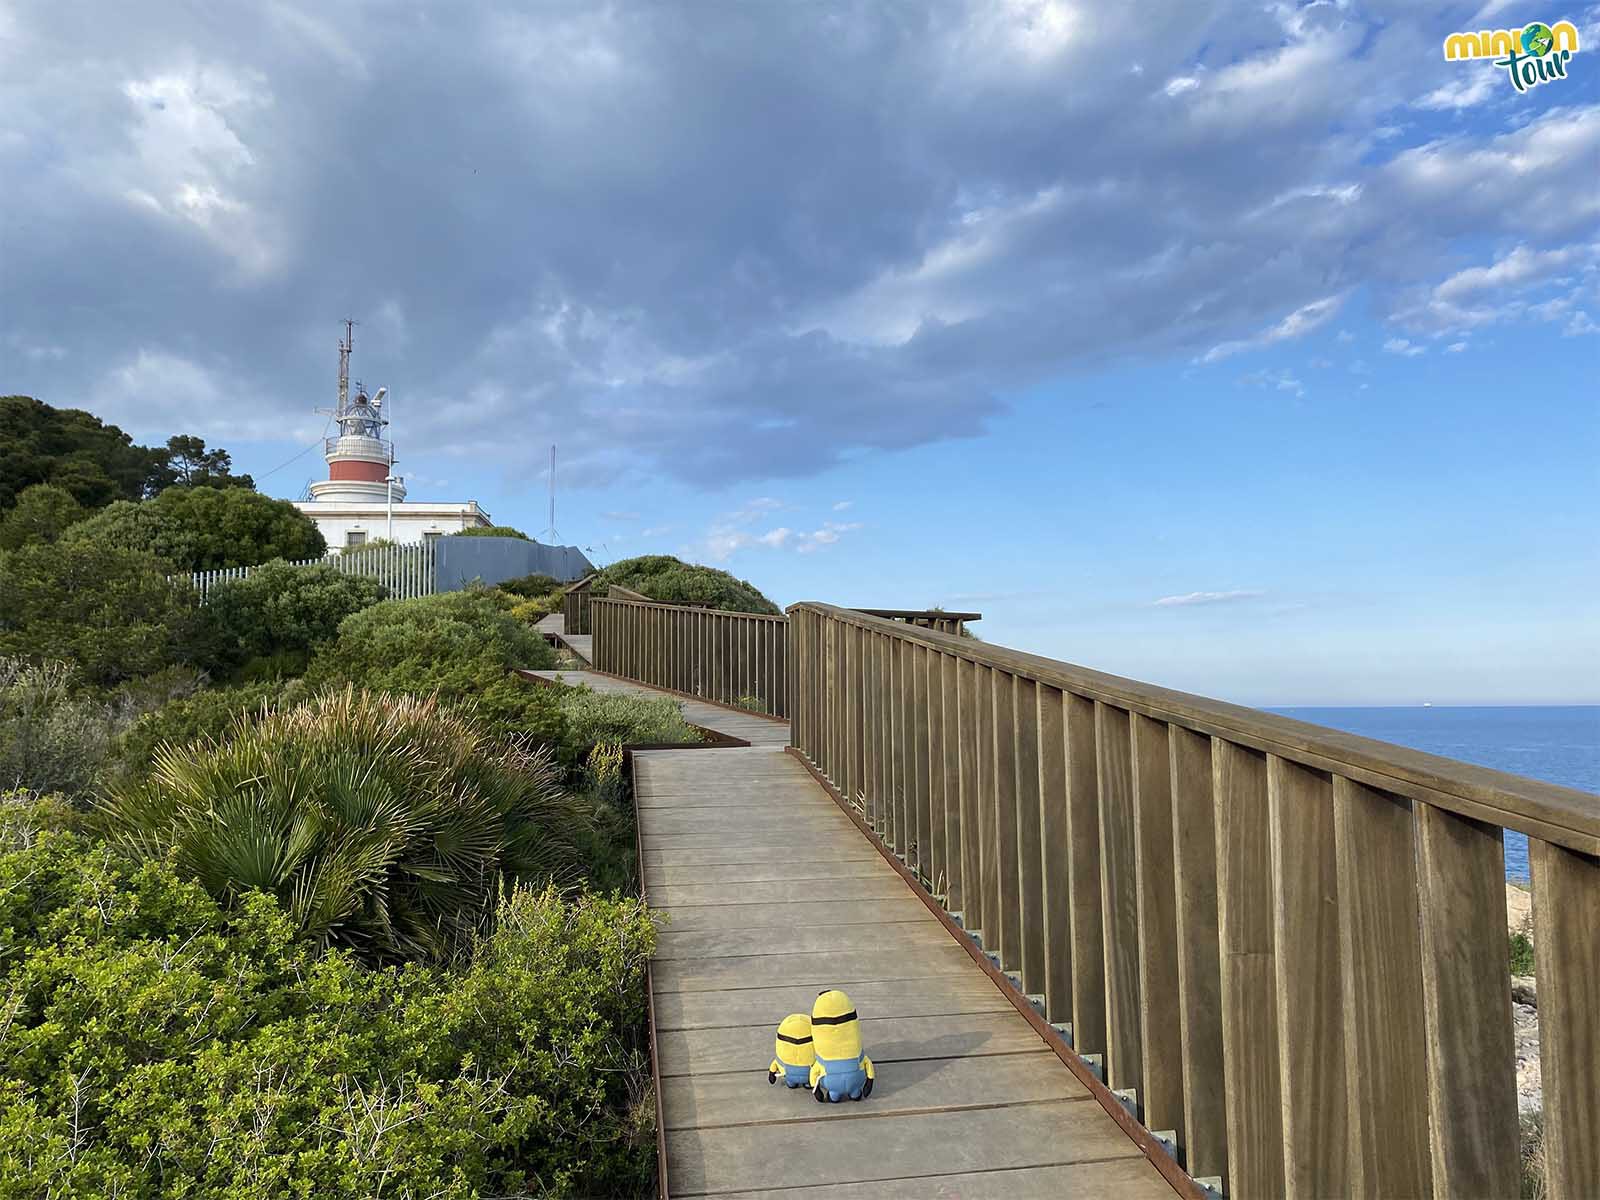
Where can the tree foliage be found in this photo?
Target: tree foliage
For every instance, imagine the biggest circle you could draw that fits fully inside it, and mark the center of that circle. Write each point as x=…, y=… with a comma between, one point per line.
x=94, y=462
x=673, y=581
x=278, y=614
x=109, y=611
x=159, y=1043
x=42, y=513
x=186, y=462
x=206, y=528
x=51, y=739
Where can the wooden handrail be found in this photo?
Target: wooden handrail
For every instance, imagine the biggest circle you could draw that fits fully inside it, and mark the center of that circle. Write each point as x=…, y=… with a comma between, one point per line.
x=926, y=618
x=732, y=658
x=1283, y=944
x=1567, y=816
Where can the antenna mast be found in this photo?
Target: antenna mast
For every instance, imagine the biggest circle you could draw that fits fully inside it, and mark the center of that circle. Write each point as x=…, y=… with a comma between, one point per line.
x=552, y=529
x=346, y=344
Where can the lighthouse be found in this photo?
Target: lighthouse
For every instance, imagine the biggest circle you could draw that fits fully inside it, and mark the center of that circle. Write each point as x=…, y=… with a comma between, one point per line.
x=360, y=458
x=362, y=499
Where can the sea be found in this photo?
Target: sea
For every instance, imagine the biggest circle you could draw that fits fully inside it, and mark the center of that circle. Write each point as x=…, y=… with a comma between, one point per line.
x=1553, y=744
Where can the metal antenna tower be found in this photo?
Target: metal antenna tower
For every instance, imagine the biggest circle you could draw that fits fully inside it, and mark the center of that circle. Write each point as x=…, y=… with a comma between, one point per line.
x=346, y=344
x=551, y=530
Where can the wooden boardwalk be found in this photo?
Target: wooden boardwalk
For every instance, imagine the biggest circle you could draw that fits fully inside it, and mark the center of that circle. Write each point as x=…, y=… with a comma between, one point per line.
x=768, y=894
x=555, y=625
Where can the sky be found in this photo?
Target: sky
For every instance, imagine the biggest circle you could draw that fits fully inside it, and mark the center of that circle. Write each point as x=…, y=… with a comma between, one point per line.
x=1248, y=349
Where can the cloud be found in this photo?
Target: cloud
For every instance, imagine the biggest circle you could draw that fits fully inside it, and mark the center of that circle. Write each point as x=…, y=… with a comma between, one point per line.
x=1297, y=324
x=1190, y=599
x=841, y=505
x=816, y=237
x=1455, y=347
x=1282, y=381
x=1580, y=324
x=1403, y=347
x=1465, y=92
x=620, y=516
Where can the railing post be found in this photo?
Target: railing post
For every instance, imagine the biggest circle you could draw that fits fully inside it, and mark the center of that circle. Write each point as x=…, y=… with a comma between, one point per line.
x=1161, y=1096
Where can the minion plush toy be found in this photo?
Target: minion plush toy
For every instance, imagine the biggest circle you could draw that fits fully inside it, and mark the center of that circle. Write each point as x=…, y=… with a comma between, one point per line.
x=841, y=1068
x=794, y=1052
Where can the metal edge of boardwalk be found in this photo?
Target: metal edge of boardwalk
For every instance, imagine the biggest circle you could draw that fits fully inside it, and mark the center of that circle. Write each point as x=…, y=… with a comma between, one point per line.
x=1151, y=1147
x=649, y=995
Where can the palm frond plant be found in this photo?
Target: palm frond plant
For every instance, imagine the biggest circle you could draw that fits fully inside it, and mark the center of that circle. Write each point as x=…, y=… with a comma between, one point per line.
x=383, y=823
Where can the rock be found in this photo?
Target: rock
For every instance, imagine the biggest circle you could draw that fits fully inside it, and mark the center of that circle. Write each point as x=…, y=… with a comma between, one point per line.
x=1519, y=909
x=1525, y=1025
x=1524, y=990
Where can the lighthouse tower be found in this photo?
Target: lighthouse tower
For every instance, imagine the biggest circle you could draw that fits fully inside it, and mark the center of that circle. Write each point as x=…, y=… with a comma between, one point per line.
x=360, y=457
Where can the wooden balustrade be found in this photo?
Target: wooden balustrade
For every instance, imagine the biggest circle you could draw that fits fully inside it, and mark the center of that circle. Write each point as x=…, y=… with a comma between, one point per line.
x=925, y=618
x=575, y=606
x=1283, y=944
x=732, y=658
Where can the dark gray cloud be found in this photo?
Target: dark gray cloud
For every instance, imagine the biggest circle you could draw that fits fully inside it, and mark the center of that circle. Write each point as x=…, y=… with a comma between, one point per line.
x=731, y=242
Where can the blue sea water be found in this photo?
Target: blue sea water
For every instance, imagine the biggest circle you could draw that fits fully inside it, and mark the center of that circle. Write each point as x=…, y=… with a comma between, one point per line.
x=1553, y=744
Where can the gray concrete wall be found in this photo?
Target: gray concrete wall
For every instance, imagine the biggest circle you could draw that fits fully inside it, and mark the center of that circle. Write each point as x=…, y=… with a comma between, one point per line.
x=460, y=560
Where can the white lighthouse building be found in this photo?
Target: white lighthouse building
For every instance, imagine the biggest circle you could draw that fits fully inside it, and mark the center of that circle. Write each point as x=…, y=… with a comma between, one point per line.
x=362, y=499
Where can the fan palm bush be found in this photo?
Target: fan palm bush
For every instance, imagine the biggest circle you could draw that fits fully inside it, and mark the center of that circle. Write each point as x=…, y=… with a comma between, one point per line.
x=382, y=823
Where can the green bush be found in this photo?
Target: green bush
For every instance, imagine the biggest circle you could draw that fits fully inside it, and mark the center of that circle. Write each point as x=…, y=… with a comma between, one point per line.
x=205, y=528
x=384, y=824
x=1521, y=954
x=50, y=739
x=158, y=1044
x=673, y=581
x=505, y=531
x=531, y=587
x=458, y=645
x=536, y=610
x=269, y=622
x=109, y=611
x=596, y=717
x=43, y=513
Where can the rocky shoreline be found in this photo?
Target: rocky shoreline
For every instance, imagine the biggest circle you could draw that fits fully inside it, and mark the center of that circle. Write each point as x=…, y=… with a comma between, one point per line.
x=1524, y=1005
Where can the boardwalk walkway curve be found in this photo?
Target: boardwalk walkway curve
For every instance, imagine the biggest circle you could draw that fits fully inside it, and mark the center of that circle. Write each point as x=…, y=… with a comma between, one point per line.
x=768, y=893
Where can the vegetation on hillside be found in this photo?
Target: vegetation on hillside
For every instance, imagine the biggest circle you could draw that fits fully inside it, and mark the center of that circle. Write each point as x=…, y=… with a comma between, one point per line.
x=673, y=581
x=205, y=528
x=340, y=807
x=383, y=824
x=160, y=1041
x=96, y=463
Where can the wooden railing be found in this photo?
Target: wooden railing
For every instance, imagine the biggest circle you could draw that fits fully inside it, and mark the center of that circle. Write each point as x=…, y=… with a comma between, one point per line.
x=575, y=606
x=925, y=618
x=732, y=658
x=1283, y=946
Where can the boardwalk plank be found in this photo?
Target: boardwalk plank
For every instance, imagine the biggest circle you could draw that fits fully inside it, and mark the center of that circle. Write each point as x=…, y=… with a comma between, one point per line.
x=941, y=996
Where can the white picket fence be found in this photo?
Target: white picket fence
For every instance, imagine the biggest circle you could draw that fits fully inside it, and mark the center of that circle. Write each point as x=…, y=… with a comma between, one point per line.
x=405, y=570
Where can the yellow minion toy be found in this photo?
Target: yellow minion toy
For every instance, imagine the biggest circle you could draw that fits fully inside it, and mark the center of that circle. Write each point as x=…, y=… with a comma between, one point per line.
x=841, y=1068
x=794, y=1052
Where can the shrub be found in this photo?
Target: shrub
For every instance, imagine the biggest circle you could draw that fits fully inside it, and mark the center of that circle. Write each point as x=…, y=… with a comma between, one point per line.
x=42, y=514
x=531, y=587
x=50, y=740
x=1521, y=954
x=536, y=610
x=269, y=622
x=672, y=581
x=458, y=645
x=505, y=531
x=383, y=823
x=160, y=1044
x=206, y=528
x=596, y=717
x=109, y=611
